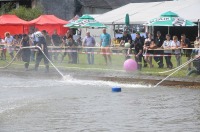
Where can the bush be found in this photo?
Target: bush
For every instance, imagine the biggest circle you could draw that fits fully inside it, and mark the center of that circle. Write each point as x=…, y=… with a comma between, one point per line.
x=26, y=13
x=5, y=8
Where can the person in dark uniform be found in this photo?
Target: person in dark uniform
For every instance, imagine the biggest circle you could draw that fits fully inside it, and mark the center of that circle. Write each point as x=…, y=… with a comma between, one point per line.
x=185, y=43
x=26, y=52
x=158, y=43
x=138, y=45
x=42, y=44
x=56, y=41
x=48, y=42
x=126, y=38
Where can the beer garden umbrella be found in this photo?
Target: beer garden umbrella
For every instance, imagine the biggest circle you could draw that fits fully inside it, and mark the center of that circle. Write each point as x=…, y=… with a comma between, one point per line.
x=86, y=21
x=169, y=19
x=127, y=21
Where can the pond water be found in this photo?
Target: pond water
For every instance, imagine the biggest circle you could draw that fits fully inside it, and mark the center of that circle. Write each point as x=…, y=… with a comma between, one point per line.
x=71, y=105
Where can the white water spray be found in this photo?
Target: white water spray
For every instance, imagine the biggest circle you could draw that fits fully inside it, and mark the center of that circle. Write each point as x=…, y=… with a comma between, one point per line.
x=73, y=81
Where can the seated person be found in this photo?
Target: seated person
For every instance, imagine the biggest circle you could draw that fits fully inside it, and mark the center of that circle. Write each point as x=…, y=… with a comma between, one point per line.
x=196, y=64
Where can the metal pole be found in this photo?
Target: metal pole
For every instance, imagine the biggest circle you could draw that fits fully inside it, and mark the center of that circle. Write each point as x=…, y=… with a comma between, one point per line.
x=198, y=27
x=152, y=32
x=168, y=29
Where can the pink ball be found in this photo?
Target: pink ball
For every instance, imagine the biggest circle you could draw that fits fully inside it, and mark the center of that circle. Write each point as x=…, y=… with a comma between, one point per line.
x=130, y=65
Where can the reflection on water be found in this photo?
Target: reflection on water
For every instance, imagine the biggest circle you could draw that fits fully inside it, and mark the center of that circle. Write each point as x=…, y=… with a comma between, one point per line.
x=70, y=105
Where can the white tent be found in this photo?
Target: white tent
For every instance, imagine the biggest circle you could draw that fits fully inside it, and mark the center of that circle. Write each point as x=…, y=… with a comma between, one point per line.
x=140, y=13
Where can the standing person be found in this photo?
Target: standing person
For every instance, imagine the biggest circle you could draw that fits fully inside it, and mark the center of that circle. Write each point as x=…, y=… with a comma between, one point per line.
x=48, y=41
x=126, y=38
x=56, y=41
x=158, y=43
x=141, y=41
x=185, y=43
x=176, y=45
x=167, y=51
x=26, y=52
x=42, y=44
x=67, y=43
x=196, y=46
x=35, y=42
x=3, y=49
x=9, y=44
x=138, y=45
x=105, y=42
x=17, y=44
x=148, y=53
x=74, y=53
x=90, y=42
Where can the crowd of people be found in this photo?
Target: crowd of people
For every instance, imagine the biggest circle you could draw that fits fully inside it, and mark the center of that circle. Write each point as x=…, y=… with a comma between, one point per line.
x=144, y=49
x=157, y=48
x=24, y=42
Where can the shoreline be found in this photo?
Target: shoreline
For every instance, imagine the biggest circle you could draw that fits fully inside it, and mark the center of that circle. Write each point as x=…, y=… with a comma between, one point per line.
x=114, y=76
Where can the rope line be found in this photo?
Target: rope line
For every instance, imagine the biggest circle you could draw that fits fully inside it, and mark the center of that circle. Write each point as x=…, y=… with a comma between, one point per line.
x=177, y=69
x=30, y=47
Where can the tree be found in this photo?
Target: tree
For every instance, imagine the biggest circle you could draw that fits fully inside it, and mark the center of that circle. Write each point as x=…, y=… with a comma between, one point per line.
x=7, y=7
x=27, y=13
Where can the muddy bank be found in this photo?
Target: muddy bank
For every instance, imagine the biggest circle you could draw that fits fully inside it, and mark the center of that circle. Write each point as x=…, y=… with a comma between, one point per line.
x=155, y=81
x=117, y=76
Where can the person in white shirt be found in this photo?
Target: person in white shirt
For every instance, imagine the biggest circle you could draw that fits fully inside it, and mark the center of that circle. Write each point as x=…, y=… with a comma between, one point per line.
x=176, y=45
x=9, y=44
x=167, y=51
x=35, y=40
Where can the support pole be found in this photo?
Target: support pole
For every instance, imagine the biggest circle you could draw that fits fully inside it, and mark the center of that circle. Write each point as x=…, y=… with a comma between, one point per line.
x=168, y=29
x=198, y=27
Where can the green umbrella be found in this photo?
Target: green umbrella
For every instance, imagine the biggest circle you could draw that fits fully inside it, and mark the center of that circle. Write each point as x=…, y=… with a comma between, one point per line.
x=169, y=19
x=86, y=21
x=127, y=21
x=86, y=17
x=93, y=25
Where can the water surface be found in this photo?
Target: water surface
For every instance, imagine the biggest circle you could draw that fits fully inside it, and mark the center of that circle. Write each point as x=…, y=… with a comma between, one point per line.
x=71, y=105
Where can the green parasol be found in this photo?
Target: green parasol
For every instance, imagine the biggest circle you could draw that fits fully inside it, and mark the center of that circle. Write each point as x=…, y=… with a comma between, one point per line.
x=127, y=21
x=86, y=16
x=86, y=21
x=169, y=19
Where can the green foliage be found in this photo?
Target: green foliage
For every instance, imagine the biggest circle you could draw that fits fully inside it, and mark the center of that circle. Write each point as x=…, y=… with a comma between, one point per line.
x=26, y=13
x=5, y=8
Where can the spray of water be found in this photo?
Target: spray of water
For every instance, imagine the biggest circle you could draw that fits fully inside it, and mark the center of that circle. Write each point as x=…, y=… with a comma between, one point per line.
x=72, y=81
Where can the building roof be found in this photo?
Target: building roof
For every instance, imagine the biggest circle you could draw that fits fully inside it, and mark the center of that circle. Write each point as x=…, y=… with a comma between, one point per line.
x=118, y=3
x=112, y=4
x=95, y=4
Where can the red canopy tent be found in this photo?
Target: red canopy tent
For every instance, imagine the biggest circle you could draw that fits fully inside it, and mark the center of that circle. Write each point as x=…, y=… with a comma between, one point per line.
x=12, y=24
x=49, y=23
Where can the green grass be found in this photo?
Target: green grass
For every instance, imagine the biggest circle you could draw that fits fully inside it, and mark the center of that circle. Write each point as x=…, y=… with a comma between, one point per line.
x=117, y=64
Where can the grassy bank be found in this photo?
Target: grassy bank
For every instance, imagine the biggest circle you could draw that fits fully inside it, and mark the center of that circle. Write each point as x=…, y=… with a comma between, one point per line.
x=117, y=65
